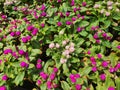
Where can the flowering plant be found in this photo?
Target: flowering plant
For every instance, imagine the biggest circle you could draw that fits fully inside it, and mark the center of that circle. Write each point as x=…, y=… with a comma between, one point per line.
x=69, y=45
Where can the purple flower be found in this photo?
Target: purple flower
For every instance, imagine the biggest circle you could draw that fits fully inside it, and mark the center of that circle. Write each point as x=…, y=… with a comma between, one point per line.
x=92, y=59
x=42, y=7
x=52, y=76
x=21, y=52
x=14, y=55
x=72, y=3
x=42, y=25
x=43, y=14
x=73, y=19
x=24, y=40
x=17, y=33
x=84, y=4
x=82, y=17
x=39, y=82
x=99, y=55
x=59, y=23
x=23, y=64
x=104, y=63
x=78, y=87
x=12, y=34
x=72, y=78
x=59, y=0
x=55, y=70
x=104, y=35
x=102, y=77
x=43, y=75
x=30, y=28
x=4, y=77
x=49, y=84
x=3, y=88
x=38, y=66
x=118, y=46
x=94, y=69
x=67, y=14
x=111, y=70
x=98, y=41
x=78, y=15
x=7, y=51
x=28, y=38
x=95, y=36
x=77, y=75
x=74, y=9
x=39, y=61
x=79, y=29
x=111, y=88
x=3, y=16
x=93, y=28
x=88, y=52
x=68, y=23
x=34, y=32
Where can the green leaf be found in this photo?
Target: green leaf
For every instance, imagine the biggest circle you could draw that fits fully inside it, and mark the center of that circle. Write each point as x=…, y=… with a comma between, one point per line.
x=19, y=78
x=65, y=85
x=65, y=69
x=47, y=64
x=85, y=71
x=116, y=16
x=83, y=33
x=84, y=23
x=117, y=82
x=1, y=45
x=35, y=52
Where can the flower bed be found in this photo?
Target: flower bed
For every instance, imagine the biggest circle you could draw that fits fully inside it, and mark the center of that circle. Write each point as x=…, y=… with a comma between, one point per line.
x=59, y=44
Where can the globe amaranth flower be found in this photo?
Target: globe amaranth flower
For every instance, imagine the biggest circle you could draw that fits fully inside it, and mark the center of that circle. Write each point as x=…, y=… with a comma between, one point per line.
x=67, y=14
x=59, y=1
x=12, y=34
x=111, y=70
x=104, y=35
x=88, y=52
x=62, y=60
x=38, y=82
x=17, y=33
x=55, y=70
x=52, y=76
x=109, y=3
x=104, y=63
x=49, y=84
x=68, y=23
x=79, y=29
x=84, y=4
x=59, y=23
x=38, y=66
x=21, y=52
x=35, y=31
x=7, y=51
x=107, y=13
x=43, y=7
x=51, y=45
x=102, y=77
x=43, y=14
x=74, y=77
x=72, y=3
x=78, y=87
x=99, y=55
x=73, y=19
x=118, y=46
x=24, y=39
x=92, y=59
x=94, y=69
x=111, y=88
x=95, y=36
x=30, y=28
x=3, y=88
x=42, y=25
x=57, y=45
x=4, y=77
x=39, y=61
x=43, y=75
x=23, y=64
x=74, y=9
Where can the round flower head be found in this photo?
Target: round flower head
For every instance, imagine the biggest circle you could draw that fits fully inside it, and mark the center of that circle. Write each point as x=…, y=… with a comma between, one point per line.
x=79, y=29
x=55, y=69
x=3, y=88
x=107, y=13
x=49, y=84
x=68, y=23
x=52, y=76
x=24, y=40
x=78, y=87
x=38, y=66
x=30, y=28
x=99, y=55
x=12, y=34
x=17, y=33
x=104, y=63
x=23, y=64
x=118, y=46
x=94, y=69
x=38, y=82
x=4, y=77
x=21, y=52
x=84, y=4
x=67, y=14
x=51, y=45
x=111, y=88
x=59, y=23
x=42, y=25
x=102, y=77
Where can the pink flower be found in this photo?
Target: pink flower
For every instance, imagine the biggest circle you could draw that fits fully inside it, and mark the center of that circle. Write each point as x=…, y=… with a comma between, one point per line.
x=59, y=23
x=84, y=4
x=42, y=25
x=79, y=29
x=4, y=77
x=49, y=84
x=17, y=33
x=95, y=36
x=102, y=77
x=118, y=46
x=62, y=60
x=111, y=88
x=52, y=76
x=23, y=64
x=74, y=77
x=42, y=7
x=34, y=32
x=38, y=66
x=39, y=61
x=111, y=70
x=94, y=69
x=73, y=19
x=104, y=63
x=68, y=23
x=51, y=45
x=98, y=41
x=43, y=75
x=39, y=82
x=74, y=9
x=88, y=52
x=30, y=28
x=64, y=42
x=72, y=3
x=57, y=45
x=67, y=14
x=12, y=34
x=7, y=51
x=92, y=59
x=104, y=35
x=59, y=1
x=78, y=87
x=107, y=13
x=99, y=55
x=24, y=40
x=21, y=52
x=55, y=69
x=109, y=3
x=3, y=88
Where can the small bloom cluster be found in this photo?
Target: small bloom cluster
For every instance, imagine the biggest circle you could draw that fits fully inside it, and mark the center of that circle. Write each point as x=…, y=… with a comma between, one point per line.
x=3, y=88
x=54, y=45
x=24, y=64
x=43, y=75
x=39, y=65
x=33, y=30
x=74, y=77
x=17, y=33
x=26, y=39
x=5, y=77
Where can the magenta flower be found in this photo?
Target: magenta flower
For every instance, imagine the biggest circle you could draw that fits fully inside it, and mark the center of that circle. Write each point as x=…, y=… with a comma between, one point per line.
x=104, y=63
x=59, y=23
x=68, y=23
x=78, y=87
x=42, y=25
x=39, y=82
x=88, y=52
x=72, y=78
x=111, y=70
x=28, y=38
x=78, y=15
x=98, y=41
x=30, y=28
x=72, y=3
x=55, y=70
x=104, y=35
x=59, y=1
x=49, y=84
x=42, y=7
x=14, y=55
x=7, y=51
x=38, y=66
x=21, y=52
x=94, y=69
x=23, y=64
x=39, y=61
x=17, y=33
x=93, y=28
x=73, y=19
x=43, y=14
x=95, y=36
x=35, y=31
x=74, y=9
x=84, y=4
x=92, y=59
x=43, y=75
x=102, y=77
x=111, y=88
x=52, y=76
x=24, y=40
x=12, y=34
x=4, y=77
x=3, y=88
x=77, y=75
x=67, y=14
x=99, y=55
x=118, y=46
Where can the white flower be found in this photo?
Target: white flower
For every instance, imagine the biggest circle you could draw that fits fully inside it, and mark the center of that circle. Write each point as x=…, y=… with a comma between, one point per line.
x=62, y=60
x=57, y=45
x=110, y=7
x=51, y=45
x=109, y=3
x=71, y=49
x=107, y=13
x=64, y=42
x=61, y=32
x=67, y=47
x=97, y=6
x=102, y=11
